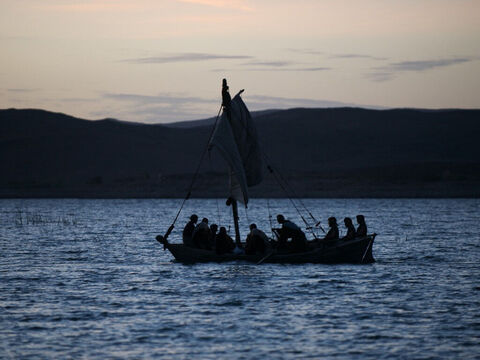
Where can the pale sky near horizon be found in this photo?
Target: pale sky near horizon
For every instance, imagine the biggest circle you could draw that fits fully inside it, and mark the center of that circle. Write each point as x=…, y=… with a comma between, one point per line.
x=163, y=61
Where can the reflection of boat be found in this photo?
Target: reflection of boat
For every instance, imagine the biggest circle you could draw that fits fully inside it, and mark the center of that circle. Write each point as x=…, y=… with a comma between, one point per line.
x=235, y=137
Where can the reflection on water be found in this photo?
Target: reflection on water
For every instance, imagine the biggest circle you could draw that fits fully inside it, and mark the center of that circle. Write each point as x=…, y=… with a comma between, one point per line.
x=85, y=278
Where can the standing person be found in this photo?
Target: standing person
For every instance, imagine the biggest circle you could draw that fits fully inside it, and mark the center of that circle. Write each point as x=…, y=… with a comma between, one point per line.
x=256, y=241
x=332, y=234
x=291, y=230
x=201, y=234
x=350, y=229
x=188, y=230
x=362, y=226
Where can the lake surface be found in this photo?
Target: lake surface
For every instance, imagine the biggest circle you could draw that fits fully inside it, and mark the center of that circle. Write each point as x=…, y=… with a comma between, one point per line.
x=86, y=279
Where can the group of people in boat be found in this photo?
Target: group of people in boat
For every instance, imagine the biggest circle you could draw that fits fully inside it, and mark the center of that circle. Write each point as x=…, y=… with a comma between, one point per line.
x=352, y=233
x=298, y=243
x=203, y=236
x=210, y=237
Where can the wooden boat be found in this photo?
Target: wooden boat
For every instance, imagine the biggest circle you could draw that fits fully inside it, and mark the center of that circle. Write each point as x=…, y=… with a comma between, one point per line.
x=356, y=251
x=234, y=136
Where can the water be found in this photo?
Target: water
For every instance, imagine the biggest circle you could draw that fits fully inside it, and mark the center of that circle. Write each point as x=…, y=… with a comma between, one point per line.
x=85, y=278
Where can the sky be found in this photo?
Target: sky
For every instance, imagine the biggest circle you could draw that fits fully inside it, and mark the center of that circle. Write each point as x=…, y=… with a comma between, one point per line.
x=159, y=61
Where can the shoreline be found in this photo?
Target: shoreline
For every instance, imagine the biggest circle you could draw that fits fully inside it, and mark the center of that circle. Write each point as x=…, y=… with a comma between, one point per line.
x=357, y=191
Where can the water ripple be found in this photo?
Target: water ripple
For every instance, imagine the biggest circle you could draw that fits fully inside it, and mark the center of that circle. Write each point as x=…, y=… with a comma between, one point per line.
x=101, y=287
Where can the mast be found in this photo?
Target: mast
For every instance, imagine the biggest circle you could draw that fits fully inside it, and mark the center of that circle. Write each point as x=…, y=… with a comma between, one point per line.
x=231, y=201
x=236, y=138
x=235, y=221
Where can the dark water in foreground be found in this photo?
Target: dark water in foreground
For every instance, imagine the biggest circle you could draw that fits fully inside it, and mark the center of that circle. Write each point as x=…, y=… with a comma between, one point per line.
x=85, y=278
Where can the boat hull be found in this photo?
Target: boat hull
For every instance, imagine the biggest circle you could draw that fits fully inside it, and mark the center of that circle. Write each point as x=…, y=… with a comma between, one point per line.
x=356, y=251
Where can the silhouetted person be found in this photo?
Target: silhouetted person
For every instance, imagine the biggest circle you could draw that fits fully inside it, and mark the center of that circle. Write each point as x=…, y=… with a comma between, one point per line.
x=332, y=234
x=256, y=241
x=290, y=230
x=213, y=234
x=188, y=230
x=350, y=229
x=201, y=234
x=223, y=243
x=226, y=99
x=362, y=226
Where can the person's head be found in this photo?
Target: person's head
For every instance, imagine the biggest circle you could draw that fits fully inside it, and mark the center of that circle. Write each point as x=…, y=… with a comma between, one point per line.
x=194, y=218
x=332, y=221
x=222, y=230
x=348, y=222
x=253, y=226
x=280, y=218
x=214, y=228
x=360, y=219
x=205, y=220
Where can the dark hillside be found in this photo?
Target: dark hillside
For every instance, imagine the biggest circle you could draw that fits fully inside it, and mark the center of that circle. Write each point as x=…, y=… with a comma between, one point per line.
x=324, y=152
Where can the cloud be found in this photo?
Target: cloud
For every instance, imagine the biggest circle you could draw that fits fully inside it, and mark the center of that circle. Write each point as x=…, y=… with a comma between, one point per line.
x=167, y=98
x=306, y=51
x=388, y=72
x=311, y=69
x=79, y=100
x=335, y=56
x=356, y=56
x=279, y=65
x=184, y=57
x=262, y=102
x=22, y=90
x=380, y=76
x=294, y=69
x=269, y=63
x=169, y=107
x=298, y=69
x=159, y=108
x=423, y=65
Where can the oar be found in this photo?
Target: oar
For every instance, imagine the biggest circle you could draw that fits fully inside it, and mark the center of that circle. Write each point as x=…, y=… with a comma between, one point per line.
x=265, y=257
x=368, y=246
x=163, y=239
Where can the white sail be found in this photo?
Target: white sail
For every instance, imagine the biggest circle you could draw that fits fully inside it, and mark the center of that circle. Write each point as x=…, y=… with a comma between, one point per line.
x=236, y=138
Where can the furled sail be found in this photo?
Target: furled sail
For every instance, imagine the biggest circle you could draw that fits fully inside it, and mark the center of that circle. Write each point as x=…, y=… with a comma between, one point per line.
x=237, y=140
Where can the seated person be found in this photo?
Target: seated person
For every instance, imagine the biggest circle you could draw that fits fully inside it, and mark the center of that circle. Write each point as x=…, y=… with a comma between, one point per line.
x=362, y=226
x=350, y=229
x=223, y=243
x=332, y=234
x=188, y=230
x=201, y=234
x=213, y=234
x=256, y=241
x=290, y=230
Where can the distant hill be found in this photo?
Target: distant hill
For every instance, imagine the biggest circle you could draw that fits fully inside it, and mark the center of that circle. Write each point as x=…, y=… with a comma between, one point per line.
x=323, y=152
x=211, y=121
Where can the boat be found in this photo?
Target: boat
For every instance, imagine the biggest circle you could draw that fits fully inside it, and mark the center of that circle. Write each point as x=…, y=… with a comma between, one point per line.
x=235, y=137
x=355, y=251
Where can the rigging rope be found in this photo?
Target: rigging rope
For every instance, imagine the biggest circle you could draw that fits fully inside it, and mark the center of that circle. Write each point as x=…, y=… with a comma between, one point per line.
x=268, y=162
x=216, y=198
x=279, y=181
x=270, y=217
x=291, y=200
x=189, y=192
x=246, y=215
x=284, y=188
